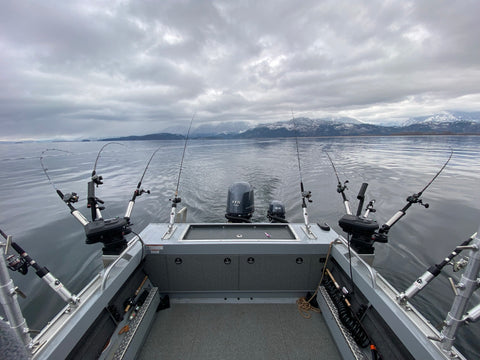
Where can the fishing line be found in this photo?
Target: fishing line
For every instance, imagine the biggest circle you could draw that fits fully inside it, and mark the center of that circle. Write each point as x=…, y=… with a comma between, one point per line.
x=183, y=154
x=176, y=199
x=341, y=187
x=45, y=169
x=99, y=153
x=305, y=194
x=138, y=191
x=146, y=167
x=298, y=152
x=334, y=168
x=437, y=174
x=412, y=199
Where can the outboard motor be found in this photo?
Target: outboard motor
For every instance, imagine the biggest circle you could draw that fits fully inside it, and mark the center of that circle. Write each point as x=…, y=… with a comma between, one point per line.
x=276, y=212
x=240, y=202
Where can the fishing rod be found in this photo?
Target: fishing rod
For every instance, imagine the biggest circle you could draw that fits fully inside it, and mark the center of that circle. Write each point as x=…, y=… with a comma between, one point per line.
x=361, y=194
x=110, y=232
x=412, y=199
x=366, y=231
x=341, y=187
x=306, y=195
x=96, y=180
x=98, y=157
x=23, y=261
x=68, y=198
x=433, y=271
x=139, y=191
x=175, y=200
x=9, y=298
x=44, y=168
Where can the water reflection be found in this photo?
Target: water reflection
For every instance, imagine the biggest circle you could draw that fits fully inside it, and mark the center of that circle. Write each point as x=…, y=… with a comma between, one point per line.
x=395, y=167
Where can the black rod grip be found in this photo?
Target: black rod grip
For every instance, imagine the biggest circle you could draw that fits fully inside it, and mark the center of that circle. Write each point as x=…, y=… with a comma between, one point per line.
x=17, y=248
x=361, y=197
x=361, y=193
x=91, y=191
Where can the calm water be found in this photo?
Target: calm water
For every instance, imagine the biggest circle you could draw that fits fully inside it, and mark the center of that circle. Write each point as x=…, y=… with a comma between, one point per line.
x=394, y=167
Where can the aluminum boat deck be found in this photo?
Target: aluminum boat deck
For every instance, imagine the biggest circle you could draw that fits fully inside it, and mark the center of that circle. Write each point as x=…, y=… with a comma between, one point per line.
x=233, y=289
x=238, y=331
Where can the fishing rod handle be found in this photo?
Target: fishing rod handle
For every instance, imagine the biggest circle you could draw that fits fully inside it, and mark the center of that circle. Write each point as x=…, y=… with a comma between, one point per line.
x=79, y=216
x=128, y=213
x=398, y=215
x=361, y=198
x=346, y=203
x=19, y=249
x=464, y=245
x=473, y=314
x=361, y=193
x=172, y=214
x=60, y=289
x=45, y=275
x=417, y=285
x=431, y=273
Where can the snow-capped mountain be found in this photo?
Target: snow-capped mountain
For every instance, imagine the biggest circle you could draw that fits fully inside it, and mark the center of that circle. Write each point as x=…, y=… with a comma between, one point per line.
x=444, y=123
x=314, y=127
x=444, y=117
x=306, y=124
x=226, y=127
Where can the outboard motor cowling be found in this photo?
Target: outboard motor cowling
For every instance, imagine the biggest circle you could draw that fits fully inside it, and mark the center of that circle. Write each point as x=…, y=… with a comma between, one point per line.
x=276, y=212
x=240, y=202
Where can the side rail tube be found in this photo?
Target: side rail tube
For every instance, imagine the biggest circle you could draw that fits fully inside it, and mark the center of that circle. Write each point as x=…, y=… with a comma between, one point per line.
x=120, y=257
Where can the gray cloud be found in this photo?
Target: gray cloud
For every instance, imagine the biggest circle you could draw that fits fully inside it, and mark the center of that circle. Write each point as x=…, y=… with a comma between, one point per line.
x=135, y=67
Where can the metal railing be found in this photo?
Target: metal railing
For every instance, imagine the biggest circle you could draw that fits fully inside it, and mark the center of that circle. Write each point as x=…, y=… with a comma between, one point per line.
x=132, y=243
x=373, y=273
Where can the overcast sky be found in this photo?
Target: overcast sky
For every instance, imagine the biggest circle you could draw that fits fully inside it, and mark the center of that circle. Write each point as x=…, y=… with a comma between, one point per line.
x=79, y=69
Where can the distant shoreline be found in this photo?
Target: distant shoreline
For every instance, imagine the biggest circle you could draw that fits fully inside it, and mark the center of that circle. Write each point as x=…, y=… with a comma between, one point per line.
x=180, y=137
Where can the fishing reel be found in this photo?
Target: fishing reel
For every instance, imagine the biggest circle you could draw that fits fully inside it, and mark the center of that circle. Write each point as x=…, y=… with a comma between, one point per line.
x=17, y=263
x=415, y=199
x=176, y=200
x=139, y=192
x=70, y=198
x=97, y=179
x=110, y=232
x=307, y=195
x=365, y=231
x=382, y=235
x=341, y=188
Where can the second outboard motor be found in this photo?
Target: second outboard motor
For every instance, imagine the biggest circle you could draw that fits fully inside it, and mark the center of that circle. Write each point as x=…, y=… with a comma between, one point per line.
x=276, y=212
x=240, y=202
